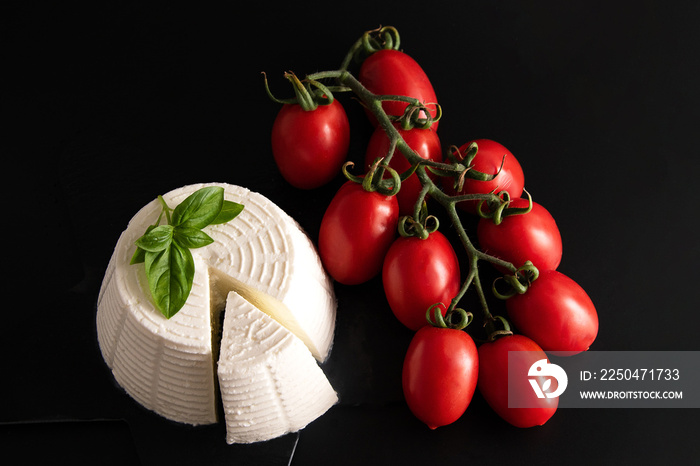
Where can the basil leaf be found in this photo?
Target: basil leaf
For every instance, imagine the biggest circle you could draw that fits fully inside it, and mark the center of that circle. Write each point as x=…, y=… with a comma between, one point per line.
x=165, y=250
x=200, y=208
x=191, y=237
x=170, y=273
x=140, y=254
x=157, y=239
x=229, y=211
x=138, y=257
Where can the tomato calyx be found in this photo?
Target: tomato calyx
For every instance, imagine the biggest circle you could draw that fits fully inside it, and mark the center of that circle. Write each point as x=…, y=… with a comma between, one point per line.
x=420, y=227
x=495, y=333
x=308, y=93
x=416, y=115
x=373, y=181
x=500, y=210
x=456, y=318
x=518, y=282
x=381, y=38
x=462, y=166
x=412, y=115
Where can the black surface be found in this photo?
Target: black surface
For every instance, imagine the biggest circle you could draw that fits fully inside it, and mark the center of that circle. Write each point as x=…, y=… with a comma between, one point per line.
x=112, y=104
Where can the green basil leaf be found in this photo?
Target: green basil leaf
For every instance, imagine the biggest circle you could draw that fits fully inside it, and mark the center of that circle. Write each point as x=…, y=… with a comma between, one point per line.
x=165, y=250
x=138, y=257
x=229, y=211
x=200, y=208
x=170, y=273
x=191, y=237
x=140, y=254
x=157, y=239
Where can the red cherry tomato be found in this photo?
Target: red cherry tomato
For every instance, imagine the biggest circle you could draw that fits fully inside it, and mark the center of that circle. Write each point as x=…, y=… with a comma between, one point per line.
x=418, y=273
x=533, y=236
x=356, y=231
x=425, y=142
x=556, y=313
x=525, y=408
x=310, y=146
x=392, y=72
x=439, y=375
x=489, y=159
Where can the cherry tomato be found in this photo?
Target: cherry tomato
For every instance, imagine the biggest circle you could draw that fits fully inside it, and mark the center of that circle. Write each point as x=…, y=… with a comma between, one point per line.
x=356, y=231
x=439, y=374
x=490, y=160
x=525, y=408
x=418, y=273
x=310, y=146
x=425, y=142
x=392, y=72
x=533, y=236
x=556, y=313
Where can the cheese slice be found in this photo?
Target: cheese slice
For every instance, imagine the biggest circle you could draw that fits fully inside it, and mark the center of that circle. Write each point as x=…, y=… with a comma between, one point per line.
x=270, y=382
x=168, y=365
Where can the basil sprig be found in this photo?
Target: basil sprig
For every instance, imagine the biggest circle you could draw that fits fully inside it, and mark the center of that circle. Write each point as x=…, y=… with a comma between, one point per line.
x=165, y=249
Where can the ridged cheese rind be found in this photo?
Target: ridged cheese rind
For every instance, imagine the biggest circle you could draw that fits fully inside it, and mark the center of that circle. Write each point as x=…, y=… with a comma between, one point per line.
x=270, y=382
x=164, y=364
x=167, y=364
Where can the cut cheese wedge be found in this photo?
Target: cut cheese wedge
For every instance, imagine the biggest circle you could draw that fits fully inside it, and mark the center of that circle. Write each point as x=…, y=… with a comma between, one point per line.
x=169, y=365
x=270, y=383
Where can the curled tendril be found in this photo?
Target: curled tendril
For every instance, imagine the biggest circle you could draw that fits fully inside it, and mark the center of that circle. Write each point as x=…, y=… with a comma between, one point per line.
x=381, y=38
x=272, y=96
x=465, y=318
x=387, y=187
x=308, y=93
x=454, y=154
x=412, y=118
x=346, y=166
x=384, y=37
x=518, y=283
x=496, y=214
x=503, y=210
x=324, y=96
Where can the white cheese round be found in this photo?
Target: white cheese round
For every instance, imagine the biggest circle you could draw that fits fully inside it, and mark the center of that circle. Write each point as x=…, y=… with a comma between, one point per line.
x=168, y=365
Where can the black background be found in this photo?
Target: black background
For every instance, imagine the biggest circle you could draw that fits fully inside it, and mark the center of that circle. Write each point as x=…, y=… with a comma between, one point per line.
x=113, y=103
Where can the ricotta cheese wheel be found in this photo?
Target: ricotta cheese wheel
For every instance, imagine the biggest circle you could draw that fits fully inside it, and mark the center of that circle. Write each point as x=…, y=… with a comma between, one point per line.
x=168, y=365
x=270, y=382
